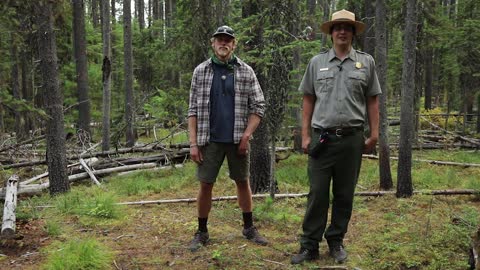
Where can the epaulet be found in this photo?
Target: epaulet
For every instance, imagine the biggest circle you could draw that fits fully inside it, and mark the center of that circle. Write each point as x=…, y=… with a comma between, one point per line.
x=322, y=51
x=358, y=51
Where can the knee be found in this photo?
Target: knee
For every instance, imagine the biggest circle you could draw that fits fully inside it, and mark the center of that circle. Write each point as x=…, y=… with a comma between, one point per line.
x=206, y=187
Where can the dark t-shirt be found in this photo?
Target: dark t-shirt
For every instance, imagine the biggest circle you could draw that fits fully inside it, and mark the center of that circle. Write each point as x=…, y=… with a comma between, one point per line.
x=222, y=96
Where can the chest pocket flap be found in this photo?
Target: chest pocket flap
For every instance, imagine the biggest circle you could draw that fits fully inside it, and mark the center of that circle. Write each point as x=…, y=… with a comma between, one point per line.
x=357, y=75
x=323, y=75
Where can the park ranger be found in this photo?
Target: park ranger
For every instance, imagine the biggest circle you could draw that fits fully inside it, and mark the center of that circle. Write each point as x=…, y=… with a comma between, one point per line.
x=340, y=96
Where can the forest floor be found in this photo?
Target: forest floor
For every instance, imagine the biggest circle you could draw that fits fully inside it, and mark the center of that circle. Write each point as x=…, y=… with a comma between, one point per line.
x=422, y=232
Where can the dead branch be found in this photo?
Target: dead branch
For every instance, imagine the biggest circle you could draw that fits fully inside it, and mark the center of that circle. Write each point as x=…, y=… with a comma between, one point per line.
x=38, y=188
x=22, y=143
x=435, y=162
x=89, y=171
x=361, y=194
x=469, y=140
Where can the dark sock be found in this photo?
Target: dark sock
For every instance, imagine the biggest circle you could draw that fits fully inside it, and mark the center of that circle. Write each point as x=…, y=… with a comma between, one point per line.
x=202, y=224
x=247, y=220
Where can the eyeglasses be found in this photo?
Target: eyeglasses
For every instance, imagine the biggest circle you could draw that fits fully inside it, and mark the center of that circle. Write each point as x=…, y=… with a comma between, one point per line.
x=343, y=26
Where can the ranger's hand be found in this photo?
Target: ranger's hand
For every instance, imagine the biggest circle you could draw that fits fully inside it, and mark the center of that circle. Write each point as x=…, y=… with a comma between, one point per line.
x=369, y=145
x=305, y=143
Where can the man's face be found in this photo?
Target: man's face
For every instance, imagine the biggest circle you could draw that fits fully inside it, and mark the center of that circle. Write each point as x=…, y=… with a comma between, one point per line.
x=342, y=34
x=223, y=46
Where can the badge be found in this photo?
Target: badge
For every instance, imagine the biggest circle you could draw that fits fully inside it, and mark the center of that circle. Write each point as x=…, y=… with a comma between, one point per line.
x=358, y=65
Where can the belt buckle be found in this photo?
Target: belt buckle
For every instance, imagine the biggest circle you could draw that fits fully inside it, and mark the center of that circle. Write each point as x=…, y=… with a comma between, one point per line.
x=338, y=132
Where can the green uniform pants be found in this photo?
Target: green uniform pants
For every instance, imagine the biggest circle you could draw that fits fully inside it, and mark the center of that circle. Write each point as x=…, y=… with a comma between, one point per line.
x=339, y=163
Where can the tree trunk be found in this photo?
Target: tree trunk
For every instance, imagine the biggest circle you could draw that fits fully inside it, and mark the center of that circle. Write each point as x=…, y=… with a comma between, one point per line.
x=326, y=17
x=404, y=176
x=259, y=154
x=128, y=68
x=80, y=51
x=113, y=11
x=170, y=6
x=386, y=182
x=478, y=113
x=141, y=14
x=369, y=34
x=16, y=87
x=95, y=16
x=428, y=78
x=312, y=18
x=106, y=77
x=26, y=85
x=56, y=153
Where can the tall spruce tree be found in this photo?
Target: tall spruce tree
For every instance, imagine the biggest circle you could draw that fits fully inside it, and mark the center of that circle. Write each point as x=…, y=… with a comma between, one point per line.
x=55, y=133
x=80, y=52
x=404, y=175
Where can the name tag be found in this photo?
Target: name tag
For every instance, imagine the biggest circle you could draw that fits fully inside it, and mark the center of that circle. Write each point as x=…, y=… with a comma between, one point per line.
x=323, y=69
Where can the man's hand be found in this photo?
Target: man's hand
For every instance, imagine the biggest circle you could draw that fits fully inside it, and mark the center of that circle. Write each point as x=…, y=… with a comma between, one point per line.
x=196, y=155
x=305, y=143
x=370, y=145
x=243, y=146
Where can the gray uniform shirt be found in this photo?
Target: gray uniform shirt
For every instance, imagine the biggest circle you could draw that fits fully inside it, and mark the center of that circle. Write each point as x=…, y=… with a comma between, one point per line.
x=340, y=87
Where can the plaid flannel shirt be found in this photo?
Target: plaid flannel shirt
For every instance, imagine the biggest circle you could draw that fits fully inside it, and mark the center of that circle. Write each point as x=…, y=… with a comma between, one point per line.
x=248, y=99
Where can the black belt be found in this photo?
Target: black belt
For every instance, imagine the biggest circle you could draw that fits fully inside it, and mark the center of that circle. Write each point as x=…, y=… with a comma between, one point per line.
x=339, y=131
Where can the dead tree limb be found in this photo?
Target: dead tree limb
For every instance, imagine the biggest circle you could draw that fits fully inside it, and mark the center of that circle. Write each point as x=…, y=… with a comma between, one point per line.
x=22, y=143
x=361, y=194
x=38, y=188
x=89, y=171
x=469, y=140
x=8, y=224
x=435, y=162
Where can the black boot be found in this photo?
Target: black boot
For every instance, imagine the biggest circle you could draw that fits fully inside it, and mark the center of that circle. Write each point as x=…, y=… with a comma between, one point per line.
x=305, y=255
x=338, y=253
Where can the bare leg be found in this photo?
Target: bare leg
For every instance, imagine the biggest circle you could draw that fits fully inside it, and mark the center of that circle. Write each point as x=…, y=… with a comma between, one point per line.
x=204, y=199
x=244, y=195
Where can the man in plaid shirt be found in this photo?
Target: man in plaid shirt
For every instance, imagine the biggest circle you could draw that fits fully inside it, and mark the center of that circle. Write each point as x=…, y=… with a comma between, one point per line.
x=226, y=106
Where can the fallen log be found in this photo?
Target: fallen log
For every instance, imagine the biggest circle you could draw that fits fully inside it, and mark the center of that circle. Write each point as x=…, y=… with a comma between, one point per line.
x=361, y=194
x=38, y=188
x=435, y=162
x=469, y=140
x=22, y=143
x=89, y=161
x=8, y=224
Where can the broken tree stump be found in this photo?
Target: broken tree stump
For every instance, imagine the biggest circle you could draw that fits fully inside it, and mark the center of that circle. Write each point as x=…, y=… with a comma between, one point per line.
x=8, y=224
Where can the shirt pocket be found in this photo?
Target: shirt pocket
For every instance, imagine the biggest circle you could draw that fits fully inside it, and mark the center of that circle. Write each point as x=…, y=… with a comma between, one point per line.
x=356, y=82
x=324, y=82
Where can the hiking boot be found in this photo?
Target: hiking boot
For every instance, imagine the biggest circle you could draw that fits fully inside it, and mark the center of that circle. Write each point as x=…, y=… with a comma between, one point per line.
x=338, y=253
x=199, y=240
x=253, y=235
x=305, y=255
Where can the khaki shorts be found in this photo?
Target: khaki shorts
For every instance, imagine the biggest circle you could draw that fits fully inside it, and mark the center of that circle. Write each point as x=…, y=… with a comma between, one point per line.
x=213, y=157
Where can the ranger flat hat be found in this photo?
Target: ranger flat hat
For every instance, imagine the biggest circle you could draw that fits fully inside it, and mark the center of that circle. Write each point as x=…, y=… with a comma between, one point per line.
x=224, y=30
x=343, y=16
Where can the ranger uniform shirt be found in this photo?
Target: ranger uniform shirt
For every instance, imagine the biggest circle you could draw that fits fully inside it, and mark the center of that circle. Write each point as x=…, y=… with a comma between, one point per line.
x=248, y=99
x=341, y=88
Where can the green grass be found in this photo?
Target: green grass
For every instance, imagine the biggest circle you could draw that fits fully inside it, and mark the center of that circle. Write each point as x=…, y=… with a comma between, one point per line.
x=87, y=203
x=421, y=232
x=77, y=254
x=53, y=228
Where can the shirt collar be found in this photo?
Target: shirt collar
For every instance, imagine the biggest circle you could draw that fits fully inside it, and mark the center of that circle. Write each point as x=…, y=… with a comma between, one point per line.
x=352, y=55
